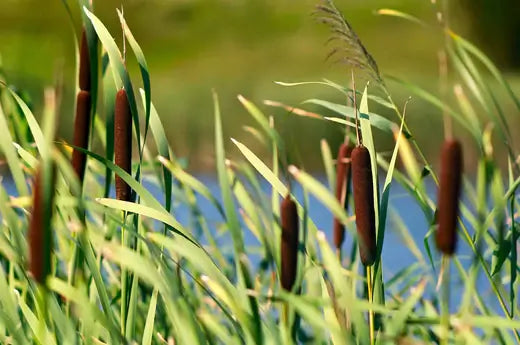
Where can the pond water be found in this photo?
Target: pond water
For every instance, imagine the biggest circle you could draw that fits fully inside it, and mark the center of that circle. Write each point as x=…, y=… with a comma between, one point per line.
x=396, y=255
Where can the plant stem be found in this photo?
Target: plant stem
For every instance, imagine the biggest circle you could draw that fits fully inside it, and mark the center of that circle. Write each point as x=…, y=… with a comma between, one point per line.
x=445, y=300
x=370, y=299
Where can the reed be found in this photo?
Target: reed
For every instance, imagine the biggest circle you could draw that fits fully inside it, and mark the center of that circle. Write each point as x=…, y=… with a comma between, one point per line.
x=83, y=110
x=84, y=63
x=343, y=176
x=40, y=236
x=448, y=198
x=81, y=133
x=122, y=143
x=364, y=204
x=289, y=247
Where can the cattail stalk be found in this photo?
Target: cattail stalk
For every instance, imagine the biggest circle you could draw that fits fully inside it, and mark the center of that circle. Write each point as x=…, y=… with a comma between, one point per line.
x=83, y=110
x=84, y=63
x=123, y=143
x=448, y=199
x=342, y=189
x=289, y=247
x=40, y=235
x=81, y=133
x=364, y=204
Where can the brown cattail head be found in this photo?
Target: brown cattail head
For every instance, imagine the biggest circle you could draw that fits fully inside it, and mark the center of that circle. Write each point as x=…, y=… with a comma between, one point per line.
x=289, y=216
x=40, y=235
x=84, y=63
x=123, y=143
x=364, y=204
x=448, y=199
x=342, y=189
x=81, y=133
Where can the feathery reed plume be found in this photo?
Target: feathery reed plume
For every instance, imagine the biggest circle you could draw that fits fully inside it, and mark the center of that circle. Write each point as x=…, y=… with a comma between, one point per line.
x=122, y=143
x=364, y=204
x=40, y=236
x=81, y=133
x=289, y=217
x=84, y=63
x=448, y=199
x=348, y=47
x=342, y=189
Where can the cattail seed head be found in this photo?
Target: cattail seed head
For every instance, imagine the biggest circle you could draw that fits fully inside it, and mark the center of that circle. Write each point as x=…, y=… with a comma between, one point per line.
x=81, y=133
x=84, y=63
x=448, y=198
x=289, y=217
x=364, y=204
x=342, y=189
x=123, y=143
x=40, y=235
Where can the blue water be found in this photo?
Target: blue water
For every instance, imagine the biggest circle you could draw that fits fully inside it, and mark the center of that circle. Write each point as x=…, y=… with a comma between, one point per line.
x=395, y=256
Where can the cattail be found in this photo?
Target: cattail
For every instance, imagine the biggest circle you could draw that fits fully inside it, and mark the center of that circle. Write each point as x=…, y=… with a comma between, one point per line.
x=342, y=189
x=289, y=216
x=123, y=143
x=40, y=236
x=448, y=198
x=364, y=204
x=81, y=133
x=84, y=63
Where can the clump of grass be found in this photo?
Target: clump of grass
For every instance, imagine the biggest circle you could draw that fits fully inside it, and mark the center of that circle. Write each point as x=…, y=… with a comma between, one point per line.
x=122, y=143
x=172, y=280
x=448, y=198
x=40, y=234
x=289, y=246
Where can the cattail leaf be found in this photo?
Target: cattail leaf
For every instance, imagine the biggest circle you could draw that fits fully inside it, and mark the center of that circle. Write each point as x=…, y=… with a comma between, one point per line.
x=36, y=132
x=8, y=150
x=225, y=187
x=150, y=318
x=467, y=109
x=321, y=193
x=365, y=120
x=338, y=334
x=190, y=181
x=146, y=211
x=109, y=98
x=262, y=121
x=116, y=60
x=395, y=13
x=324, y=82
x=396, y=325
x=215, y=327
x=86, y=309
x=492, y=104
x=9, y=312
x=211, y=274
x=93, y=52
x=145, y=75
x=163, y=148
x=472, y=49
x=435, y=101
x=37, y=326
x=328, y=163
x=340, y=121
x=278, y=187
x=376, y=120
x=342, y=289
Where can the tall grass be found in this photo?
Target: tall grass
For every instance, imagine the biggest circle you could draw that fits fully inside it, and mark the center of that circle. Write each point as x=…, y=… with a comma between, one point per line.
x=150, y=278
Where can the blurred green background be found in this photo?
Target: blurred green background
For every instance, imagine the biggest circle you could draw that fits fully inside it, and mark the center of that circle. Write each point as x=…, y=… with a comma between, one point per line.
x=241, y=47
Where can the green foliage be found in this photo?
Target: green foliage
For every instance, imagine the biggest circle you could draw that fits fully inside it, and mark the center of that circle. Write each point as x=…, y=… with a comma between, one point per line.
x=133, y=272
